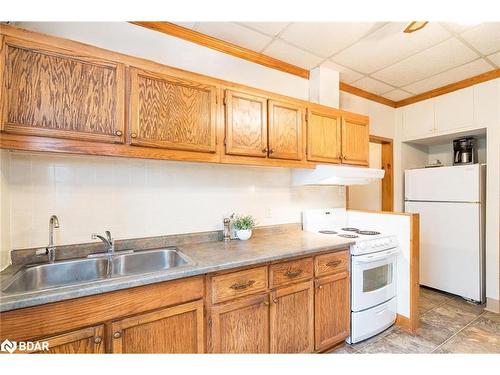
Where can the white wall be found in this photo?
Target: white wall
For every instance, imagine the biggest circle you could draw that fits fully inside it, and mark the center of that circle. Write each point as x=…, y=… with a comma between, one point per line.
x=4, y=209
x=140, y=198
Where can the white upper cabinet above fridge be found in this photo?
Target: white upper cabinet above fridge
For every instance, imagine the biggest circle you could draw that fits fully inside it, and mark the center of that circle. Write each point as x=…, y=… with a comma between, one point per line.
x=418, y=120
x=454, y=111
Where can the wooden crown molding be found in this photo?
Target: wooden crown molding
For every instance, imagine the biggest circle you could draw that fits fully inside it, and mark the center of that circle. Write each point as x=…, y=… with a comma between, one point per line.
x=222, y=46
x=492, y=74
x=367, y=95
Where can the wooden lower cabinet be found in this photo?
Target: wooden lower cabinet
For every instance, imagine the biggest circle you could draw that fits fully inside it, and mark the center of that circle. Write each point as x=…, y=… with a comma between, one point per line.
x=177, y=329
x=241, y=326
x=332, y=310
x=82, y=341
x=292, y=319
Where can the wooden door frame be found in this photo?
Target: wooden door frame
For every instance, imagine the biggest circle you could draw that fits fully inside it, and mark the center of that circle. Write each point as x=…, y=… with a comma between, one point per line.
x=387, y=162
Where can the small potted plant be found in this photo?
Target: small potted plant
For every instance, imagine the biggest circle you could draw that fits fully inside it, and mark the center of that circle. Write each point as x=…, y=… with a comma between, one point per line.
x=244, y=226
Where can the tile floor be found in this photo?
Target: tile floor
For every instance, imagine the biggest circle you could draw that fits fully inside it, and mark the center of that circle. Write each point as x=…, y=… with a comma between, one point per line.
x=448, y=324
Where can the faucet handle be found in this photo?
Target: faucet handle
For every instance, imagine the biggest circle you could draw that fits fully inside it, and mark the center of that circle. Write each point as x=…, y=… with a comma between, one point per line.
x=108, y=235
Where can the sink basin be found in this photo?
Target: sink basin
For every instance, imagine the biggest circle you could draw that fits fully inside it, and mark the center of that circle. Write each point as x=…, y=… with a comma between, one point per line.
x=73, y=272
x=147, y=261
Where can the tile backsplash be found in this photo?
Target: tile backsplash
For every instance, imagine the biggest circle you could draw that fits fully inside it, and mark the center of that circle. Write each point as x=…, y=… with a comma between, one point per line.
x=140, y=198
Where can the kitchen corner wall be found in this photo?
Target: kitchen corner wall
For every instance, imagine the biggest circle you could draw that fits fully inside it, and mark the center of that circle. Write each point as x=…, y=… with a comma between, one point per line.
x=140, y=198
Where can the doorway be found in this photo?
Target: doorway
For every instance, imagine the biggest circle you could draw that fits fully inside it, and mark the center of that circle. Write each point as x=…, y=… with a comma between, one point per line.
x=377, y=195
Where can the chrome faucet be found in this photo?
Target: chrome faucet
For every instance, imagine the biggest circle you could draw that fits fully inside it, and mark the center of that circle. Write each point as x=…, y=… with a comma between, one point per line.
x=51, y=249
x=108, y=241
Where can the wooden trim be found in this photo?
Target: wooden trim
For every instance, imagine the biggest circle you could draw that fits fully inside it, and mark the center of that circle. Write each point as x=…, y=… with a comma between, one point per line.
x=223, y=46
x=387, y=166
x=414, y=270
x=367, y=95
x=492, y=74
x=403, y=322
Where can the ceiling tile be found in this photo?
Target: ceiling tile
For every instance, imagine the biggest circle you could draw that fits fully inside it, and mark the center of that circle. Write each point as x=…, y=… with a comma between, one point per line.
x=346, y=75
x=372, y=85
x=283, y=51
x=234, y=33
x=485, y=37
x=495, y=58
x=451, y=76
x=268, y=28
x=444, y=56
x=326, y=38
x=396, y=95
x=458, y=27
x=389, y=45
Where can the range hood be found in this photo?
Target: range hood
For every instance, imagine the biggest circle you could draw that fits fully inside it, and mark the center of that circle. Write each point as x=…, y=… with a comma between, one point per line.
x=335, y=175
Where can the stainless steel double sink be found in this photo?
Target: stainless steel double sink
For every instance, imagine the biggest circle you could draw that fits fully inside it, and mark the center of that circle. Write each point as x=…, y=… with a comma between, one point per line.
x=80, y=271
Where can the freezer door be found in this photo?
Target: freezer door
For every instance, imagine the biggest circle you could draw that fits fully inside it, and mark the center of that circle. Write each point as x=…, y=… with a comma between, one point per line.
x=450, y=247
x=447, y=184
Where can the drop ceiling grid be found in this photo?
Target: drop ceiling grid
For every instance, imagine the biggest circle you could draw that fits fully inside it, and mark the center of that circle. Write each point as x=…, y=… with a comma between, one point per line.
x=469, y=60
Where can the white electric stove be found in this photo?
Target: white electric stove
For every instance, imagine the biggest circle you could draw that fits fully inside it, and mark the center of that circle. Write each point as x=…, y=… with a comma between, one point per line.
x=373, y=270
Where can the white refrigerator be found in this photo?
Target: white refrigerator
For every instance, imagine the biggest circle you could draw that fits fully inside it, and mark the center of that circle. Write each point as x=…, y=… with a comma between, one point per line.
x=450, y=201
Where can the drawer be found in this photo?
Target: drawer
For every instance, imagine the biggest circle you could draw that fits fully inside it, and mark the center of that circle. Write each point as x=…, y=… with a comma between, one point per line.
x=237, y=284
x=329, y=264
x=289, y=272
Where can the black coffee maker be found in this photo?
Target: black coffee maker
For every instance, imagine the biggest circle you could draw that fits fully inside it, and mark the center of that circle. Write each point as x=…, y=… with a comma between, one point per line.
x=464, y=151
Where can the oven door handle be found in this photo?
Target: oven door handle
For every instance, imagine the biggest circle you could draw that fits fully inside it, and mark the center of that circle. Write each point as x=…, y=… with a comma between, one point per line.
x=374, y=257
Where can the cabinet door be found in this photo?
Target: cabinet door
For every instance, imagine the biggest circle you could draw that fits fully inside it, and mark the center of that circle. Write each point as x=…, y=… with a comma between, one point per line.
x=323, y=135
x=54, y=93
x=83, y=341
x=332, y=310
x=454, y=110
x=241, y=326
x=177, y=329
x=292, y=319
x=355, y=140
x=285, y=131
x=172, y=113
x=418, y=120
x=246, y=124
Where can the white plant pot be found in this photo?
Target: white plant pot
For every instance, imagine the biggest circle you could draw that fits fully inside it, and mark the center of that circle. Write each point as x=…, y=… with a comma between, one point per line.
x=244, y=234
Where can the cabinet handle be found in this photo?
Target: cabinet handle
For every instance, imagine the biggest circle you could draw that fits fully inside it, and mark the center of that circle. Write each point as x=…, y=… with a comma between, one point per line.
x=344, y=157
x=265, y=303
x=97, y=339
x=292, y=274
x=240, y=286
x=264, y=150
x=133, y=135
x=334, y=263
x=271, y=151
x=117, y=335
x=275, y=300
x=320, y=287
x=118, y=133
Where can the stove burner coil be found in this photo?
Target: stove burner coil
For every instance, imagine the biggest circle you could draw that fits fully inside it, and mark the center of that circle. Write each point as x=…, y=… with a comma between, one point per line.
x=348, y=235
x=350, y=229
x=368, y=232
x=327, y=232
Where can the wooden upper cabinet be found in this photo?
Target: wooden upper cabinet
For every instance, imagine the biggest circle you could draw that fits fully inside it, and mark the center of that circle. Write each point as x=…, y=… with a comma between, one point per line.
x=324, y=135
x=173, y=113
x=177, y=329
x=241, y=326
x=292, y=319
x=82, y=341
x=332, y=310
x=285, y=131
x=355, y=139
x=246, y=124
x=61, y=94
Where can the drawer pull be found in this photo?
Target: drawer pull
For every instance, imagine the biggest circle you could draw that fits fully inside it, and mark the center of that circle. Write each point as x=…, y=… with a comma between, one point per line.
x=117, y=335
x=118, y=133
x=264, y=150
x=334, y=263
x=133, y=135
x=240, y=286
x=292, y=274
x=97, y=339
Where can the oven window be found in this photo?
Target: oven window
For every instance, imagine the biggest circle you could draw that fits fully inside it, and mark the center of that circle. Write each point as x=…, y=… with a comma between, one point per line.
x=376, y=278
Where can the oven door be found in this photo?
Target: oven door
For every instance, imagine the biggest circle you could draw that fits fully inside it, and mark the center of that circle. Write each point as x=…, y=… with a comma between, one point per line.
x=373, y=279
